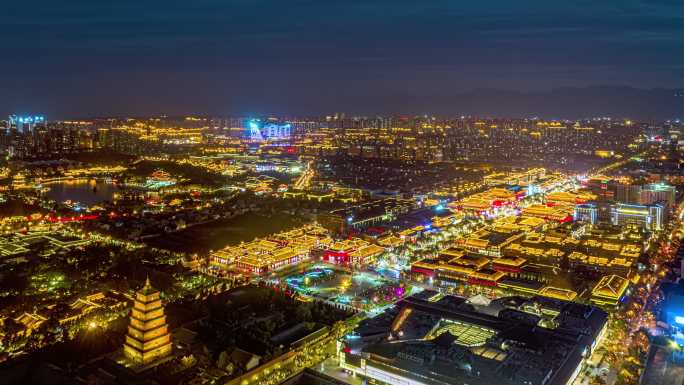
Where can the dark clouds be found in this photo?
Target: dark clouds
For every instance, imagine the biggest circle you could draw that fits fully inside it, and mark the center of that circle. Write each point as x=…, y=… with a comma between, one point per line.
x=288, y=56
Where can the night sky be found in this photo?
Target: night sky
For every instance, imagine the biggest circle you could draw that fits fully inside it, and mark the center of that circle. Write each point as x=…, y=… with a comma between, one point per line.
x=84, y=58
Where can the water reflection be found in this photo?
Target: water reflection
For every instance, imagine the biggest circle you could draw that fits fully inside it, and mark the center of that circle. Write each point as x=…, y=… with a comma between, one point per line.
x=88, y=192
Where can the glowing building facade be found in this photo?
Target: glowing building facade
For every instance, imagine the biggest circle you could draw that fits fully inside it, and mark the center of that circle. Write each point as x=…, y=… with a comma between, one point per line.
x=649, y=217
x=658, y=192
x=269, y=131
x=586, y=213
x=148, y=339
x=672, y=314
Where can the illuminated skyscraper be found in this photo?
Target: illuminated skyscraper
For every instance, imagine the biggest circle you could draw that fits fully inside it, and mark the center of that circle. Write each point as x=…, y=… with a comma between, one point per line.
x=148, y=339
x=25, y=123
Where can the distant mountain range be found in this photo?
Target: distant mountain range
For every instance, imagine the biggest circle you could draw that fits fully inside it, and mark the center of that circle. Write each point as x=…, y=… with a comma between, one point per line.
x=572, y=103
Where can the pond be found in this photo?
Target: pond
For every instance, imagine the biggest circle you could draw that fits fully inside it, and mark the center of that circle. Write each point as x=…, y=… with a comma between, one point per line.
x=87, y=193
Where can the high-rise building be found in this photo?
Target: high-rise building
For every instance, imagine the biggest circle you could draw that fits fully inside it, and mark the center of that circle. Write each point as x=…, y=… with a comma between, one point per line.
x=25, y=123
x=148, y=340
x=602, y=187
x=270, y=130
x=628, y=193
x=658, y=192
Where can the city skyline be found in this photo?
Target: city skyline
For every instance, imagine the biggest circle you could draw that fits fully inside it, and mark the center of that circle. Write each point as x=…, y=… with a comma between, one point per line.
x=222, y=58
x=263, y=192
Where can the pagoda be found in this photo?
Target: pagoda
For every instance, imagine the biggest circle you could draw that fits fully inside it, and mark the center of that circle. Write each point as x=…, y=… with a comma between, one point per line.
x=148, y=340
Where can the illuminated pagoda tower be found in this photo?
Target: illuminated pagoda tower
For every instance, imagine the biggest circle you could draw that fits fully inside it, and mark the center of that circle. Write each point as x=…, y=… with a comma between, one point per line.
x=148, y=340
